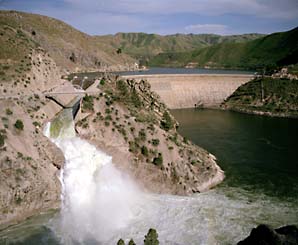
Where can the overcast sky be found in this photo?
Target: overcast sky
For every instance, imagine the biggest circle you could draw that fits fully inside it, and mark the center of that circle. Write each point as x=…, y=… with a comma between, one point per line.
x=223, y=17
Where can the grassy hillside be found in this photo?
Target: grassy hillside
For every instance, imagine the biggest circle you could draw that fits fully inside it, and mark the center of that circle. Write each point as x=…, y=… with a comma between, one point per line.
x=277, y=49
x=70, y=48
x=74, y=50
x=147, y=45
x=280, y=97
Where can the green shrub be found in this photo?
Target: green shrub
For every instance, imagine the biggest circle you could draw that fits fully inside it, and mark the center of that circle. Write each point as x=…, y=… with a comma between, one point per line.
x=88, y=103
x=166, y=122
x=151, y=238
x=19, y=124
x=135, y=99
x=131, y=242
x=158, y=160
x=18, y=200
x=19, y=154
x=8, y=112
x=155, y=142
x=145, y=117
x=144, y=150
x=133, y=146
x=120, y=242
x=108, y=118
x=102, y=81
x=122, y=87
x=36, y=124
x=2, y=140
x=142, y=135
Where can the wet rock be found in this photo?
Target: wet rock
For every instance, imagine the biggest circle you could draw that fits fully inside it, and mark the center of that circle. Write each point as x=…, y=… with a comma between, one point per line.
x=265, y=235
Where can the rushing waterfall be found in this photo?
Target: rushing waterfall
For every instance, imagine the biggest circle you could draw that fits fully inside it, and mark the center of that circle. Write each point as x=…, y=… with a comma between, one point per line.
x=97, y=199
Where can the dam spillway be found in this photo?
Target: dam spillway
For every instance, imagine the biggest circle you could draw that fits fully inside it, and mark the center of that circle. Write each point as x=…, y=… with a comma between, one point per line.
x=187, y=90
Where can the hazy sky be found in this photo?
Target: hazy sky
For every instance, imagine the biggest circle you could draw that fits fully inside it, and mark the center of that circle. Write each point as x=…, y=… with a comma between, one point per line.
x=167, y=16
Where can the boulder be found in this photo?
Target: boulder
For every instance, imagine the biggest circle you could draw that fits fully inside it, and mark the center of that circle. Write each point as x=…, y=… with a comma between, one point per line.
x=265, y=235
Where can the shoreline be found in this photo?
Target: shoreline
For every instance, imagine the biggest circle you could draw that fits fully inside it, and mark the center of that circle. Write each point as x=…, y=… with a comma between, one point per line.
x=243, y=111
x=259, y=113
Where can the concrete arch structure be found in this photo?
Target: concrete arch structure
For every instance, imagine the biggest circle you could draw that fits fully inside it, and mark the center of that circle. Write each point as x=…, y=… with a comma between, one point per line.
x=187, y=90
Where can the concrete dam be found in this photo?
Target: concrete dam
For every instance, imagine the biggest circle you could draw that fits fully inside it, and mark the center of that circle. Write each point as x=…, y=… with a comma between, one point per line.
x=190, y=90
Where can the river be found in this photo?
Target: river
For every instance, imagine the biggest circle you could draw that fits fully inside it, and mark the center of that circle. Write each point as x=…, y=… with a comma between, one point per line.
x=259, y=157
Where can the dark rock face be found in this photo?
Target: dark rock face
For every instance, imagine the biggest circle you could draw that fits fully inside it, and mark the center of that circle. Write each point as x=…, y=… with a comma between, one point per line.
x=265, y=235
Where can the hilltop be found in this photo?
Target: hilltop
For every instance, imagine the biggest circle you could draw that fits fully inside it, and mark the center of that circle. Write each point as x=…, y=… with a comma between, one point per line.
x=277, y=49
x=144, y=46
x=71, y=49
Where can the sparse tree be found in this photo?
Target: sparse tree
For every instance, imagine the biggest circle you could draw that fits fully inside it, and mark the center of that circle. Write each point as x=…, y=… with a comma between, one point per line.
x=131, y=242
x=120, y=242
x=151, y=238
x=19, y=124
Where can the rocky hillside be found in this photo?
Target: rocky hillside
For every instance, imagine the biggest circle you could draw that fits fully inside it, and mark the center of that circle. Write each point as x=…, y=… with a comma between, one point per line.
x=71, y=49
x=266, y=96
x=277, y=49
x=128, y=121
x=29, y=162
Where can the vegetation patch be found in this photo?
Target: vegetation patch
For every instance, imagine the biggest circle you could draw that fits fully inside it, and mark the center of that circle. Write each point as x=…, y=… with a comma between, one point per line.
x=158, y=161
x=166, y=123
x=275, y=96
x=19, y=124
x=88, y=103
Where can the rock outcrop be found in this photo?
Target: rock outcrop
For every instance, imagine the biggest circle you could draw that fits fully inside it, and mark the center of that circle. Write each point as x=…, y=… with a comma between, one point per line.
x=265, y=235
x=128, y=121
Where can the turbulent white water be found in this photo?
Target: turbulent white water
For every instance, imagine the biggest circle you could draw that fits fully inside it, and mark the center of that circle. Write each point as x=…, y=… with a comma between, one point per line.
x=97, y=199
x=100, y=205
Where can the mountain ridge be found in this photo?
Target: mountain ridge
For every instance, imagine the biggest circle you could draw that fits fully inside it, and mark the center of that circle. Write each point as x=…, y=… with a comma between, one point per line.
x=276, y=49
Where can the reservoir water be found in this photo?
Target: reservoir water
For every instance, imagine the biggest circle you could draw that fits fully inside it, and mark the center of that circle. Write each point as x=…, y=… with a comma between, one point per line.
x=159, y=70
x=258, y=154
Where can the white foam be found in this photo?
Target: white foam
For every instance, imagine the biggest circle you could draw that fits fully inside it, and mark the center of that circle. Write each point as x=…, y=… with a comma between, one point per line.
x=97, y=199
